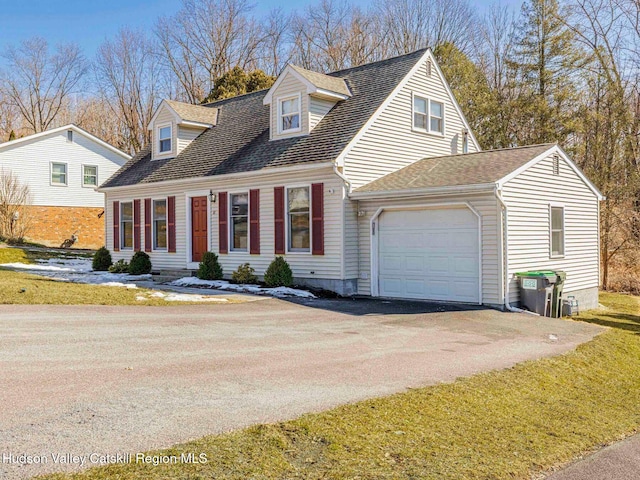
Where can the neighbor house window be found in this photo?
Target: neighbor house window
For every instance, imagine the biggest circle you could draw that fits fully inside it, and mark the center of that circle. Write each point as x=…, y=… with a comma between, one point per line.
x=90, y=175
x=159, y=224
x=419, y=113
x=126, y=224
x=436, y=117
x=289, y=114
x=298, y=207
x=239, y=221
x=59, y=173
x=165, y=139
x=557, y=231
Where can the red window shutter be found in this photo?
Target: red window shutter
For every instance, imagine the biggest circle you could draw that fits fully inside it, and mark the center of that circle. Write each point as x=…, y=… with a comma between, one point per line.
x=317, y=219
x=136, y=225
x=278, y=207
x=171, y=224
x=116, y=226
x=254, y=222
x=147, y=224
x=223, y=232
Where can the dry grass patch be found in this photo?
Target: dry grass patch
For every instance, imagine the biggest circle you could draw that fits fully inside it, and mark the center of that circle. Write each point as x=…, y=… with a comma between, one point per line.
x=500, y=425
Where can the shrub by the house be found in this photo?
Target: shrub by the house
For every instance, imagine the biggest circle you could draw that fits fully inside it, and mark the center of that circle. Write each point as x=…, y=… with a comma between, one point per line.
x=209, y=268
x=102, y=260
x=278, y=274
x=140, y=264
x=119, y=267
x=245, y=274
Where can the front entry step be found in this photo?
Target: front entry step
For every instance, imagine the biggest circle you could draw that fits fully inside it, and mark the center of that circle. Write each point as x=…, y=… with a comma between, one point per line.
x=164, y=276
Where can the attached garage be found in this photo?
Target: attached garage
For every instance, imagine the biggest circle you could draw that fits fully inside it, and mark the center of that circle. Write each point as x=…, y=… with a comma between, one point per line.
x=429, y=253
x=458, y=228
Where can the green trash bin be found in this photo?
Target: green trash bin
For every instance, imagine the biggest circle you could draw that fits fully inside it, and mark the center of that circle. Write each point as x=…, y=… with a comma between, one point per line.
x=534, y=287
x=556, y=309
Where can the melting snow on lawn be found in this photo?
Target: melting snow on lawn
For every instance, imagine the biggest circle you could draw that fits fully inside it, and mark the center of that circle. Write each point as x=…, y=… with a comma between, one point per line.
x=77, y=270
x=182, y=297
x=255, y=289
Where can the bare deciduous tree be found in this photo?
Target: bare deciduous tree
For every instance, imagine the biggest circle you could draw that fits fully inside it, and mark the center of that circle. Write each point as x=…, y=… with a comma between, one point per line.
x=207, y=38
x=15, y=199
x=128, y=73
x=39, y=83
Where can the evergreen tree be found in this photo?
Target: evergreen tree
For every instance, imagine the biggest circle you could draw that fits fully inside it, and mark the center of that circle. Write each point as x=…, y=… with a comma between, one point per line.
x=545, y=60
x=238, y=82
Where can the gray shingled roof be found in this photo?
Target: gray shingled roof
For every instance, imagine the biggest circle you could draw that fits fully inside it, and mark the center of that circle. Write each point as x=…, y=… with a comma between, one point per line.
x=194, y=113
x=323, y=81
x=453, y=170
x=240, y=140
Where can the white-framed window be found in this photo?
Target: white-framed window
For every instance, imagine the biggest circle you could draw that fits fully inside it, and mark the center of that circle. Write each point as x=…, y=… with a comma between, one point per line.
x=160, y=224
x=428, y=115
x=126, y=225
x=239, y=220
x=556, y=214
x=164, y=139
x=58, y=173
x=299, y=219
x=289, y=114
x=89, y=176
x=420, y=114
x=436, y=117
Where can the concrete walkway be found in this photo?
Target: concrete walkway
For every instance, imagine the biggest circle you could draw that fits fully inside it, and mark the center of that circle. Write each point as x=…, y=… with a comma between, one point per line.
x=620, y=461
x=81, y=380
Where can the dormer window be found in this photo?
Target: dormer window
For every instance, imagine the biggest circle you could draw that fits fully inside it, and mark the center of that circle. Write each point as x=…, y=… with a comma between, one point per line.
x=164, y=137
x=289, y=114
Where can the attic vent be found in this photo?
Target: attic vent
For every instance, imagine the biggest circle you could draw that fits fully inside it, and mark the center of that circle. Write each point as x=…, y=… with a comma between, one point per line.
x=556, y=165
x=428, y=68
x=69, y=135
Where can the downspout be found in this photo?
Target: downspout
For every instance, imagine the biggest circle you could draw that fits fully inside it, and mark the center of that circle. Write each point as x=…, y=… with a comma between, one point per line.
x=349, y=188
x=505, y=256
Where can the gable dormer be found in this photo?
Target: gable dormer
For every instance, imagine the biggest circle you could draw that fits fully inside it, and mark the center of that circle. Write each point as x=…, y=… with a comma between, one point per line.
x=299, y=99
x=175, y=125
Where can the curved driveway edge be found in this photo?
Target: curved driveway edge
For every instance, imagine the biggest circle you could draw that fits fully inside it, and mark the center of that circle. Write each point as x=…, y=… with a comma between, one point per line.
x=81, y=380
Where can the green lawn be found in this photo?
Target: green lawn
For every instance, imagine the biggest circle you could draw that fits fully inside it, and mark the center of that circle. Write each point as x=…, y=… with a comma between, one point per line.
x=505, y=424
x=19, y=288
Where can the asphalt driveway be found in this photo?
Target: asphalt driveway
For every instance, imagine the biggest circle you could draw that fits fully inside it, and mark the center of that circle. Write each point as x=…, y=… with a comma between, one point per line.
x=82, y=380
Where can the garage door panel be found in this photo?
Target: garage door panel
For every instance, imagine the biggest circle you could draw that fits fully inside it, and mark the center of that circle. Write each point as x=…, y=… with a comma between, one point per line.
x=429, y=254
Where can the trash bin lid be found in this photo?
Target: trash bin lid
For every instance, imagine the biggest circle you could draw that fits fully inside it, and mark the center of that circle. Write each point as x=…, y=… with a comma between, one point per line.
x=549, y=274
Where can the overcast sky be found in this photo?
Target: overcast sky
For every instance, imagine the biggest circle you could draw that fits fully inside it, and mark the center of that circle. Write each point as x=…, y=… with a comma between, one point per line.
x=90, y=22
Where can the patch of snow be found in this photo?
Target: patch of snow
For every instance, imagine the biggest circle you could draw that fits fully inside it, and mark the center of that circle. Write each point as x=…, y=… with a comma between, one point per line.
x=119, y=284
x=255, y=289
x=187, y=297
x=36, y=267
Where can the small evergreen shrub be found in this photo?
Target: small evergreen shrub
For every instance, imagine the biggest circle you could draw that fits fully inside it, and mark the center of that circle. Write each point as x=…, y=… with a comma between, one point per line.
x=119, y=267
x=140, y=264
x=209, y=268
x=245, y=274
x=278, y=274
x=102, y=260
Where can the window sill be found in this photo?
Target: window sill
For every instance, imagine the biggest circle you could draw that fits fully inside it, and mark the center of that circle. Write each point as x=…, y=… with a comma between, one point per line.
x=556, y=256
x=426, y=132
x=58, y=184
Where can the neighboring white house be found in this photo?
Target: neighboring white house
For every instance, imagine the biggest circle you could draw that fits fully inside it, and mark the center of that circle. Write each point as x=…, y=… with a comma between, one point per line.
x=367, y=180
x=63, y=168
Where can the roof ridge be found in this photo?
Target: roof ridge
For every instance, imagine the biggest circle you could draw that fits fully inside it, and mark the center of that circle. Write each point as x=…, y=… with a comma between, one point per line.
x=521, y=147
x=343, y=71
x=228, y=99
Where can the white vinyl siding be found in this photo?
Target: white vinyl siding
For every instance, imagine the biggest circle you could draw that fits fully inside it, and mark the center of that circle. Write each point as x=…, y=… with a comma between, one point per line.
x=30, y=158
x=528, y=197
x=327, y=266
x=486, y=206
x=289, y=87
x=318, y=108
x=185, y=136
x=391, y=142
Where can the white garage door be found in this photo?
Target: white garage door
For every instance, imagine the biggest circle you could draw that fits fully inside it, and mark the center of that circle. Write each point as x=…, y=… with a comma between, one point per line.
x=429, y=254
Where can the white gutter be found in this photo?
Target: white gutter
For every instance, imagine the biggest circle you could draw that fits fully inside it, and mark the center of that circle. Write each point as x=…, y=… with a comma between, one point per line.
x=505, y=256
x=273, y=171
x=432, y=191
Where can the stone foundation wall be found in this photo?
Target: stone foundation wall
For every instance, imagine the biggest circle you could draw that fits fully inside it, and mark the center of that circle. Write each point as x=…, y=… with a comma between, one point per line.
x=51, y=226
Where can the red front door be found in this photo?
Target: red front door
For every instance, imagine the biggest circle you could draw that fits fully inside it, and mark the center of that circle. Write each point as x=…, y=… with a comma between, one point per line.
x=199, y=229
